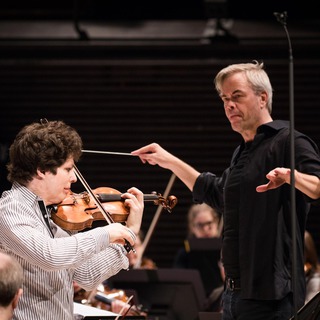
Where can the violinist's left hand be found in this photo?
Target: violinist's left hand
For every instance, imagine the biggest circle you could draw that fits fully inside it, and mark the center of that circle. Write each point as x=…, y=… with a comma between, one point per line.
x=135, y=201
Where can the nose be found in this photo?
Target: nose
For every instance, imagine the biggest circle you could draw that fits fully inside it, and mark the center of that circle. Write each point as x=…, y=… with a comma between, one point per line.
x=73, y=177
x=207, y=228
x=228, y=105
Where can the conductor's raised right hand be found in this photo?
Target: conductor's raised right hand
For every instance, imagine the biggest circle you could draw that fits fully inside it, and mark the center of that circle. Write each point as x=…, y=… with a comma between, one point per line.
x=154, y=154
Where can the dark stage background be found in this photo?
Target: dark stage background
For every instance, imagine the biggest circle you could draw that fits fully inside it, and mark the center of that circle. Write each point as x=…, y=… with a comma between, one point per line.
x=144, y=9
x=146, y=75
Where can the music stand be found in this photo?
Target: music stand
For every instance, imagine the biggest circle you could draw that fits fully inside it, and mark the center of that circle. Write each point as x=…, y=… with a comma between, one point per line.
x=203, y=244
x=167, y=294
x=204, y=255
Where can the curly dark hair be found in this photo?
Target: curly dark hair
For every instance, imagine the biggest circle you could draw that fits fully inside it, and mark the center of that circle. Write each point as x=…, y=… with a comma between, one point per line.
x=42, y=146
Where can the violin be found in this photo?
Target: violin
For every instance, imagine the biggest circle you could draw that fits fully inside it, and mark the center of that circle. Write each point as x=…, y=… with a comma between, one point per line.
x=78, y=211
x=102, y=298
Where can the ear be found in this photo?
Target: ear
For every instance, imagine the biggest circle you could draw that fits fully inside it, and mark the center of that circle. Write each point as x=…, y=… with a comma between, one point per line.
x=16, y=298
x=40, y=173
x=264, y=99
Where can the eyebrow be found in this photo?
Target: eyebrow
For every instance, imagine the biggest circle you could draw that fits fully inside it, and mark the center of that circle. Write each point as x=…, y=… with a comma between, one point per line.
x=234, y=92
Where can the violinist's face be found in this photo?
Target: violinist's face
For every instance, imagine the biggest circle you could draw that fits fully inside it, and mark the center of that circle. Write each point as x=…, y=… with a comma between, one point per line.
x=57, y=186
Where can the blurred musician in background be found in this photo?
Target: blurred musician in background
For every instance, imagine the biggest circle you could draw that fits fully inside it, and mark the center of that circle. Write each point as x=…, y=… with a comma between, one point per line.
x=203, y=223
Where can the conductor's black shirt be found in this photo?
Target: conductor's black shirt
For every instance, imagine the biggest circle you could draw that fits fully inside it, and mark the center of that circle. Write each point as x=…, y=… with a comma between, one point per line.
x=257, y=241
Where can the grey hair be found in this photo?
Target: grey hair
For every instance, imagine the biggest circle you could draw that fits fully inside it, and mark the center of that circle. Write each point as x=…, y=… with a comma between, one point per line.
x=256, y=75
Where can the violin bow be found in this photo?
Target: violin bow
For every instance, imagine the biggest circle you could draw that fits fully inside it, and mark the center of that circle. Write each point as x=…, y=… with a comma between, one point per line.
x=159, y=209
x=105, y=213
x=122, y=309
x=154, y=222
x=110, y=152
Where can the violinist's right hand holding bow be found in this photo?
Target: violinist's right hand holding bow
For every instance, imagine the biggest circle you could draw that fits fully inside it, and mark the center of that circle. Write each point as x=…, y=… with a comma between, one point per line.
x=118, y=232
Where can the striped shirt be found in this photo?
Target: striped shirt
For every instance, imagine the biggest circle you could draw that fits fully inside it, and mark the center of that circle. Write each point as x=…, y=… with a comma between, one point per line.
x=51, y=264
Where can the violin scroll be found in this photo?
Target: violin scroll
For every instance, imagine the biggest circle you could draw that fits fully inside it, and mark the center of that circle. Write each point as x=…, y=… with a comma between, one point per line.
x=168, y=204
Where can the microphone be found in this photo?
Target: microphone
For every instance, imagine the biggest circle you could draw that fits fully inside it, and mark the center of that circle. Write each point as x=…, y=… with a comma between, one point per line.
x=281, y=17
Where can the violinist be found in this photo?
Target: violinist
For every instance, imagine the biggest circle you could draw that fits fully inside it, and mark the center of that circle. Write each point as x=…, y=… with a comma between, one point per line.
x=41, y=169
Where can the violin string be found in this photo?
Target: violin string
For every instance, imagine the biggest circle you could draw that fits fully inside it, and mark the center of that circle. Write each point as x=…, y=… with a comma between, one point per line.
x=105, y=213
x=110, y=152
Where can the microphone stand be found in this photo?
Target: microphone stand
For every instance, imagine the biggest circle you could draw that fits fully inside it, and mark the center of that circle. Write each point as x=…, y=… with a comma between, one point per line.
x=81, y=33
x=282, y=18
